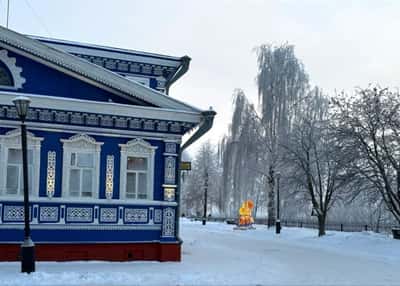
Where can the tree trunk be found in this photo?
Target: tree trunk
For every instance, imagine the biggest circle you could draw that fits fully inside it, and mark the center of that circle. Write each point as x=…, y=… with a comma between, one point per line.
x=271, y=205
x=321, y=225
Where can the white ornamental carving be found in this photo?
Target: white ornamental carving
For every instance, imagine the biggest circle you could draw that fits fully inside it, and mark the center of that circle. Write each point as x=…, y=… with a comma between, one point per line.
x=157, y=216
x=77, y=214
x=51, y=173
x=109, y=177
x=15, y=71
x=169, y=171
x=136, y=215
x=168, y=227
x=108, y=214
x=48, y=214
x=81, y=141
x=170, y=147
x=13, y=137
x=14, y=213
x=138, y=146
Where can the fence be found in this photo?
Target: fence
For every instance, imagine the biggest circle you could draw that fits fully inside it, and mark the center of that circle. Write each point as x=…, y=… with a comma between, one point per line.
x=346, y=227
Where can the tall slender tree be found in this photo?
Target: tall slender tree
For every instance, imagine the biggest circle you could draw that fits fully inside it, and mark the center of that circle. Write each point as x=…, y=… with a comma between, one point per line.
x=282, y=82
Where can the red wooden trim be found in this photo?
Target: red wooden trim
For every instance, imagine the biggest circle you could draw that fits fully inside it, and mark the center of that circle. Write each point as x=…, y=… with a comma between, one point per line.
x=108, y=252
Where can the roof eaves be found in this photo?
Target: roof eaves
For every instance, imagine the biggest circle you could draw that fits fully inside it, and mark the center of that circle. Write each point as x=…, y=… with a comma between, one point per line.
x=87, y=69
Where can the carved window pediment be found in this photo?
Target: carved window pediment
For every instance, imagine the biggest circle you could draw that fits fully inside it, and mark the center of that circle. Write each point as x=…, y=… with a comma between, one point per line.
x=138, y=146
x=82, y=141
x=13, y=137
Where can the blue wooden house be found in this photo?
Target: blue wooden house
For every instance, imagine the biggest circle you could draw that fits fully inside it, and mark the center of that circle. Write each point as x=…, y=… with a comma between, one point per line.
x=104, y=145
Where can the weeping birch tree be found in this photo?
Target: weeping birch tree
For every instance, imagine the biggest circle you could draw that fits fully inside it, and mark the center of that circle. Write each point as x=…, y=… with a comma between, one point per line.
x=240, y=153
x=282, y=82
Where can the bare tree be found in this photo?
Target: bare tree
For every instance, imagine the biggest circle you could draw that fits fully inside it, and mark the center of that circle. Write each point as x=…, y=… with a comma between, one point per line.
x=205, y=161
x=319, y=163
x=368, y=123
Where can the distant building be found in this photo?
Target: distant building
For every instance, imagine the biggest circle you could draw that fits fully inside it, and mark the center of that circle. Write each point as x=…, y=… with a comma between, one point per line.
x=104, y=146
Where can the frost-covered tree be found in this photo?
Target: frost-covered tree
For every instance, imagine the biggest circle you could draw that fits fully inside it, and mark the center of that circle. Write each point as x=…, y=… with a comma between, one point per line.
x=205, y=163
x=319, y=161
x=368, y=123
x=240, y=154
x=282, y=83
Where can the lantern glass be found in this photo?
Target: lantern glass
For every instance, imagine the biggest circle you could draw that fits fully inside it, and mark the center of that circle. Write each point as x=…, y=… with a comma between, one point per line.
x=22, y=104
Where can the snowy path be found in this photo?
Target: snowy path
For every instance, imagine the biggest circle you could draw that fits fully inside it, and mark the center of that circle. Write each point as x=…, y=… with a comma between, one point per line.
x=218, y=255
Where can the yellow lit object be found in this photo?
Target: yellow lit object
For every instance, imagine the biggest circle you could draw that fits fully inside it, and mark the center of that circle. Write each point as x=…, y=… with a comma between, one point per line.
x=169, y=194
x=245, y=217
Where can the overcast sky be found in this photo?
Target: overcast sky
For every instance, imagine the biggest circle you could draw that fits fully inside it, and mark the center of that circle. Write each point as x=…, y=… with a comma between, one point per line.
x=343, y=44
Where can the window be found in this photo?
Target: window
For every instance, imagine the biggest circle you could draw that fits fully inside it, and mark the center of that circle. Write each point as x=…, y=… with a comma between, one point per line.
x=14, y=177
x=81, y=166
x=137, y=170
x=81, y=175
x=136, y=178
x=5, y=76
x=10, y=73
x=11, y=172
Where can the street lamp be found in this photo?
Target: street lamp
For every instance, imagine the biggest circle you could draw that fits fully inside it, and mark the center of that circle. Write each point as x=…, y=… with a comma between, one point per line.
x=28, y=247
x=278, y=221
x=205, y=198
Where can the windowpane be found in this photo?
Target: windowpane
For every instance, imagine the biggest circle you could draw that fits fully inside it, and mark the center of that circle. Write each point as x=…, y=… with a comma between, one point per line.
x=85, y=160
x=12, y=180
x=142, y=191
x=5, y=75
x=87, y=183
x=15, y=156
x=136, y=163
x=73, y=159
x=131, y=185
x=74, y=182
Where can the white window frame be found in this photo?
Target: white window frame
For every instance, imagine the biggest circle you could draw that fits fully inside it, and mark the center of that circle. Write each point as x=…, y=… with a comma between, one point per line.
x=80, y=143
x=142, y=149
x=12, y=140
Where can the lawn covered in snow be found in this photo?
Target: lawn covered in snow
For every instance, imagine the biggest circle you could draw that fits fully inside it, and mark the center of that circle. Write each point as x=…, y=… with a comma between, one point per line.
x=216, y=254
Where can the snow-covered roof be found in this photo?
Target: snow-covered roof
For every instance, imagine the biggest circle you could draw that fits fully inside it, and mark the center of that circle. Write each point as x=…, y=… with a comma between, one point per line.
x=111, y=52
x=122, y=86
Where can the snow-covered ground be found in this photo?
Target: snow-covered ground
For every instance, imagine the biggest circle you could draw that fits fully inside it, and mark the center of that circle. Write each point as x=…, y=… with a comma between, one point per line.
x=216, y=254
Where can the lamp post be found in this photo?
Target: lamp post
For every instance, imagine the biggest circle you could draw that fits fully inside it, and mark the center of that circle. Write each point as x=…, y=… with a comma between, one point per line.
x=278, y=221
x=28, y=247
x=205, y=198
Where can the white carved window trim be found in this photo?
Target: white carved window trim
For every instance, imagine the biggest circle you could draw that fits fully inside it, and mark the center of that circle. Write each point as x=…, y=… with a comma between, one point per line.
x=12, y=140
x=51, y=173
x=15, y=71
x=142, y=149
x=109, y=176
x=80, y=143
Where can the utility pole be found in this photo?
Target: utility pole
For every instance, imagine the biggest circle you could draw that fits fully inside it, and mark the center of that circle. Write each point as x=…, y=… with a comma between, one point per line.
x=205, y=198
x=8, y=12
x=278, y=221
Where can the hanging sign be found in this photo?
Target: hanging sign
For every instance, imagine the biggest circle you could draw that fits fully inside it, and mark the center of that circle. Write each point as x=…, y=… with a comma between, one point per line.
x=186, y=166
